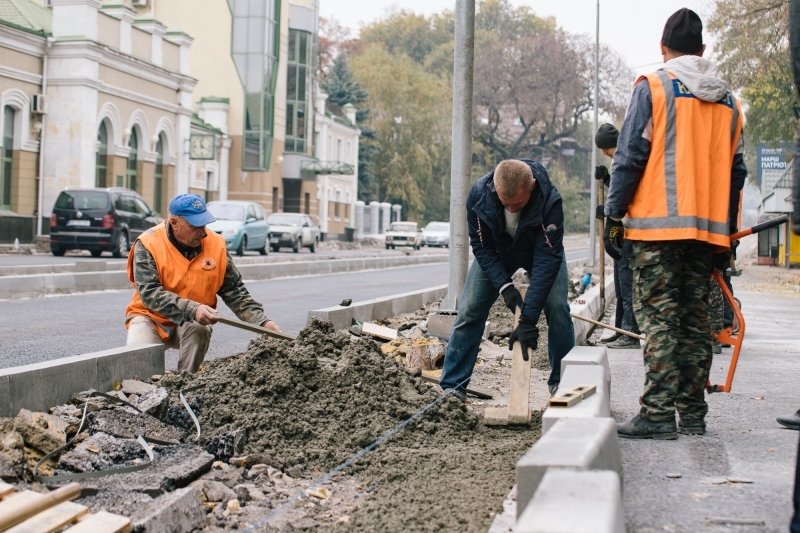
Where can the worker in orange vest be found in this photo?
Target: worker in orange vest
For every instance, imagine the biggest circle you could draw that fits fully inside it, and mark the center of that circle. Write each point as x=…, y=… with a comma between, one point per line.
x=674, y=191
x=178, y=270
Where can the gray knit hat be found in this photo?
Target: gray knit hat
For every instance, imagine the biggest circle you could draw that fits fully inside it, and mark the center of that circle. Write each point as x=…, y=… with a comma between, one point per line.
x=606, y=136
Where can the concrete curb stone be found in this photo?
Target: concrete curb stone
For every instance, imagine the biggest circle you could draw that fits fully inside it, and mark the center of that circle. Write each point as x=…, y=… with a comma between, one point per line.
x=575, y=502
x=578, y=443
x=595, y=406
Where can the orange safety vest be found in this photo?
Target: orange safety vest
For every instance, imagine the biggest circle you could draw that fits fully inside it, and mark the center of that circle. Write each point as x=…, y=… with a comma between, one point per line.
x=198, y=280
x=685, y=189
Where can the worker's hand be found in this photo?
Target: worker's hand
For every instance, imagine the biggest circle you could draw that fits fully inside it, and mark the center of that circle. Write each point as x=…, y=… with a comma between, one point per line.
x=601, y=174
x=512, y=298
x=734, y=246
x=613, y=236
x=600, y=212
x=269, y=324
x=526, y=334
x=206, y=315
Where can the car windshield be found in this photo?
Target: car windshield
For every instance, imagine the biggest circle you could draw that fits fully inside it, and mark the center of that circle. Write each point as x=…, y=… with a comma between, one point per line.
x=82, y=200
x=411, y=228
x=438, y=226
x=227, y=211
x=284, y=220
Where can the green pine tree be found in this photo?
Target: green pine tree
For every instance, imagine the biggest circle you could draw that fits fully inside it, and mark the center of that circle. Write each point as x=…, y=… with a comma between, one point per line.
x=343, y=89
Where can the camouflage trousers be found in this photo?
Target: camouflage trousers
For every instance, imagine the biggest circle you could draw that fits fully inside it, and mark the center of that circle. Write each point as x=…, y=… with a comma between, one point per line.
x=670, y=300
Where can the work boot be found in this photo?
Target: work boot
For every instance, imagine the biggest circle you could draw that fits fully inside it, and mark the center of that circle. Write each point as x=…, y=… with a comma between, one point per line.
x=716, y=348
x=625, y=343
x=691, y=426
x=553, y=388
x=642, y=428
x=612, y=338
x=460, y=394
x=790, y=421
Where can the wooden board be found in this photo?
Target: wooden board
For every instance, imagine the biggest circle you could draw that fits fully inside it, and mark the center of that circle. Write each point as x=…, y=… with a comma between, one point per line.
x=382, y=332
x=102, y=522
x=52, y=519
x=567, y=399
x=5, y=489
x=519, y=411
x=14, y=501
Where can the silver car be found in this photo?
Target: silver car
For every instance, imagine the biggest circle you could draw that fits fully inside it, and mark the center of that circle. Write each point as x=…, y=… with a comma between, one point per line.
x=293, y=230
x=436, y=234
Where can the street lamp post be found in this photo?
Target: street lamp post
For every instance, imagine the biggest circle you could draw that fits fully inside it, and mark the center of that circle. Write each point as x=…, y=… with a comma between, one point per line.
x=461, y=165
x=594, y=185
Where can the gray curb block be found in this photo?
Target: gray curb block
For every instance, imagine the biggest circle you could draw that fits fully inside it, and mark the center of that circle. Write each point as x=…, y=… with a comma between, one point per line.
x=576, y=443
x=40, y=386
x=32, y=286
x=587, y=501
x=342, y=317
x=591, y=308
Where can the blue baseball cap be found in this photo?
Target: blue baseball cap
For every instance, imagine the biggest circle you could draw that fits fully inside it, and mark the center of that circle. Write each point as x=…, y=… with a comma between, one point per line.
x=193, y=208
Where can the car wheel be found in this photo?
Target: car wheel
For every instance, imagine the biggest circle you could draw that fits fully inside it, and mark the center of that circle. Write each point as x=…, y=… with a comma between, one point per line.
x=387, y=246
x=263, y=250
x=58, y=252
x=122, y=248
x=96, y=253
x=393, y=247
x=242, y=246
x=417, y=247
x=275, y=248
x=297, y=245
x=314, y=246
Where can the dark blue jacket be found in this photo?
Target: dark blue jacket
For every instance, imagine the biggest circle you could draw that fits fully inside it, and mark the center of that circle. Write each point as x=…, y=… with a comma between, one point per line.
x=537, y=247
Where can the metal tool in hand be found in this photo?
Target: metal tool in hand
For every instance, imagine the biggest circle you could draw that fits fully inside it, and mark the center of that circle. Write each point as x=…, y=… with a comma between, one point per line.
x=727, y=336
x=256, y=328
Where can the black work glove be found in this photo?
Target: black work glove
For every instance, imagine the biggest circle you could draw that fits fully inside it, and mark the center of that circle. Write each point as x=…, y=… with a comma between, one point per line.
x=612, y=237
x=722, y=260
x=527, y=334
x=512, y=298
x=600, y=212
x=601, y=174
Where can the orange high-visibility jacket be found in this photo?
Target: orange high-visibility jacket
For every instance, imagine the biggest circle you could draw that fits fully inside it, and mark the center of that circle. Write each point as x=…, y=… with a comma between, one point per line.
x=685, y=189
x=197, y=280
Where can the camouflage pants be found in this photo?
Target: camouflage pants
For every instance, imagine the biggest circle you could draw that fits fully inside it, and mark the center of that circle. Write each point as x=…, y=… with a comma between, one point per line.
x=670, y=300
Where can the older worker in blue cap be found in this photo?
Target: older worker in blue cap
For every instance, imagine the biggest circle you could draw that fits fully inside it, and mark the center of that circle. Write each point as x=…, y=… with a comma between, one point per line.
x=178, y=270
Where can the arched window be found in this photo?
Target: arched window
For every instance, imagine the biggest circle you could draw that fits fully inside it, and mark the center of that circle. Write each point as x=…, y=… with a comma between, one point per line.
x=131, y=174
x=158, y=191
x=101, y=162
x=8, y=157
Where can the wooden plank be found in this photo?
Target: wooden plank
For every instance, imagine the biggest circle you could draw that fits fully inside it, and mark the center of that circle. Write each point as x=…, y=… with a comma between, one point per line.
x=18, y=499
x=495, y=416
x=23, y=505
x=102, y=522
x=567, y=399
x=52, y=519
x=5, y=489
x=382, y=332
x=519, y=411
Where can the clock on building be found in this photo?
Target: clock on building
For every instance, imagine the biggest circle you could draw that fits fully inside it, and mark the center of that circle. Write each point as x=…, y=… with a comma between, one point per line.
x=201, y=146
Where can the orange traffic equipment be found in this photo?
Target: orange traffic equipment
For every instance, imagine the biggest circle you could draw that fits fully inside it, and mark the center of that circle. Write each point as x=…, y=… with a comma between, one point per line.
x=727, y=335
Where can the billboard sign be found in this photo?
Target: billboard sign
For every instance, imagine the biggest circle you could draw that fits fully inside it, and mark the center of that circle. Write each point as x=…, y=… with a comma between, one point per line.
x=771, y=164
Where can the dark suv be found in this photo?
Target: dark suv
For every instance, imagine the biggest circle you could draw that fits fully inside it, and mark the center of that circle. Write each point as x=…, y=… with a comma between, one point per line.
x=99, y=220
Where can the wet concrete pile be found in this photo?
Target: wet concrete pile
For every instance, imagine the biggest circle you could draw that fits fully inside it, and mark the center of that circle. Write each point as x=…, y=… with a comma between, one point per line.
x=309, y=405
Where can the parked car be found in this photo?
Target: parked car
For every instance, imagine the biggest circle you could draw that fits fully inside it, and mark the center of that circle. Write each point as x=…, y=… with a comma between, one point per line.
x=293, y=230
x=242, y=224
x=99, y=220
x=436, y=234
x=403, y=234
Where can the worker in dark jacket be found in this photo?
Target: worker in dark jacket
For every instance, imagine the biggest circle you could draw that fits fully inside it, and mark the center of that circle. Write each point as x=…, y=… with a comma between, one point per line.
x=515, y=221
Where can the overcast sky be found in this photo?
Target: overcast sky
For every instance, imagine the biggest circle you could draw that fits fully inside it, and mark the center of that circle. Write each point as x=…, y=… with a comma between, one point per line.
x=632, y=27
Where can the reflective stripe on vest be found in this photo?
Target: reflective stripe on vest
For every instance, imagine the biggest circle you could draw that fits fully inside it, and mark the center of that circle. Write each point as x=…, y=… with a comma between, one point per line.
x=198, y=280
x=681, y=210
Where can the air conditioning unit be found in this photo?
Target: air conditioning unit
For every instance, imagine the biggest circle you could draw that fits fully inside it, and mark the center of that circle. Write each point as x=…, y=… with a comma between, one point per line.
x=139, y=3
x=38, y=104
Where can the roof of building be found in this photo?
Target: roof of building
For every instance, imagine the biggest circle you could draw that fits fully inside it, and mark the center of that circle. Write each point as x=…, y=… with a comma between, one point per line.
x=27, y=16
x=198, y=122
x=337, y=113
x=785, y=181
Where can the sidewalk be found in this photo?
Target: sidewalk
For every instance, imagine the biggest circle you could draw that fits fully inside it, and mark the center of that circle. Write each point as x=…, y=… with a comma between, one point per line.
x=743, y=441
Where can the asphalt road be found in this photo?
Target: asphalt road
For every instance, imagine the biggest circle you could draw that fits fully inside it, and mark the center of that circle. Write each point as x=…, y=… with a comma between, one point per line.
x=743, y=442
x=42, y=329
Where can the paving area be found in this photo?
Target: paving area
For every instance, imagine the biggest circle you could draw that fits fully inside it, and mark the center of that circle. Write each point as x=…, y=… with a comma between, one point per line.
x=739, y=476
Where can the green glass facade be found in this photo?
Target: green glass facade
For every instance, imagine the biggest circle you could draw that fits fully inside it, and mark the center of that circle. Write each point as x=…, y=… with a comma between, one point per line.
x=298, y=91
x=255, y=52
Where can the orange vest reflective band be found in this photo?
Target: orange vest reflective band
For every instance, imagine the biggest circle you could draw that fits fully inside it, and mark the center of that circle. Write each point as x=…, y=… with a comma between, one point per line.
x=198, y=280
x=685, y=189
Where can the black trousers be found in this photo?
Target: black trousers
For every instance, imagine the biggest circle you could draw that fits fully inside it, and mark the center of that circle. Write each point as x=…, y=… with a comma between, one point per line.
x=795, y=525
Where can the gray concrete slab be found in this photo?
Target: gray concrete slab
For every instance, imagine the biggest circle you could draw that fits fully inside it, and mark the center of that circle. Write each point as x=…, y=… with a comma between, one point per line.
x=576, y=443
x=569, y=501
x=588, y=355
x=42, y=385
x=743, y=440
